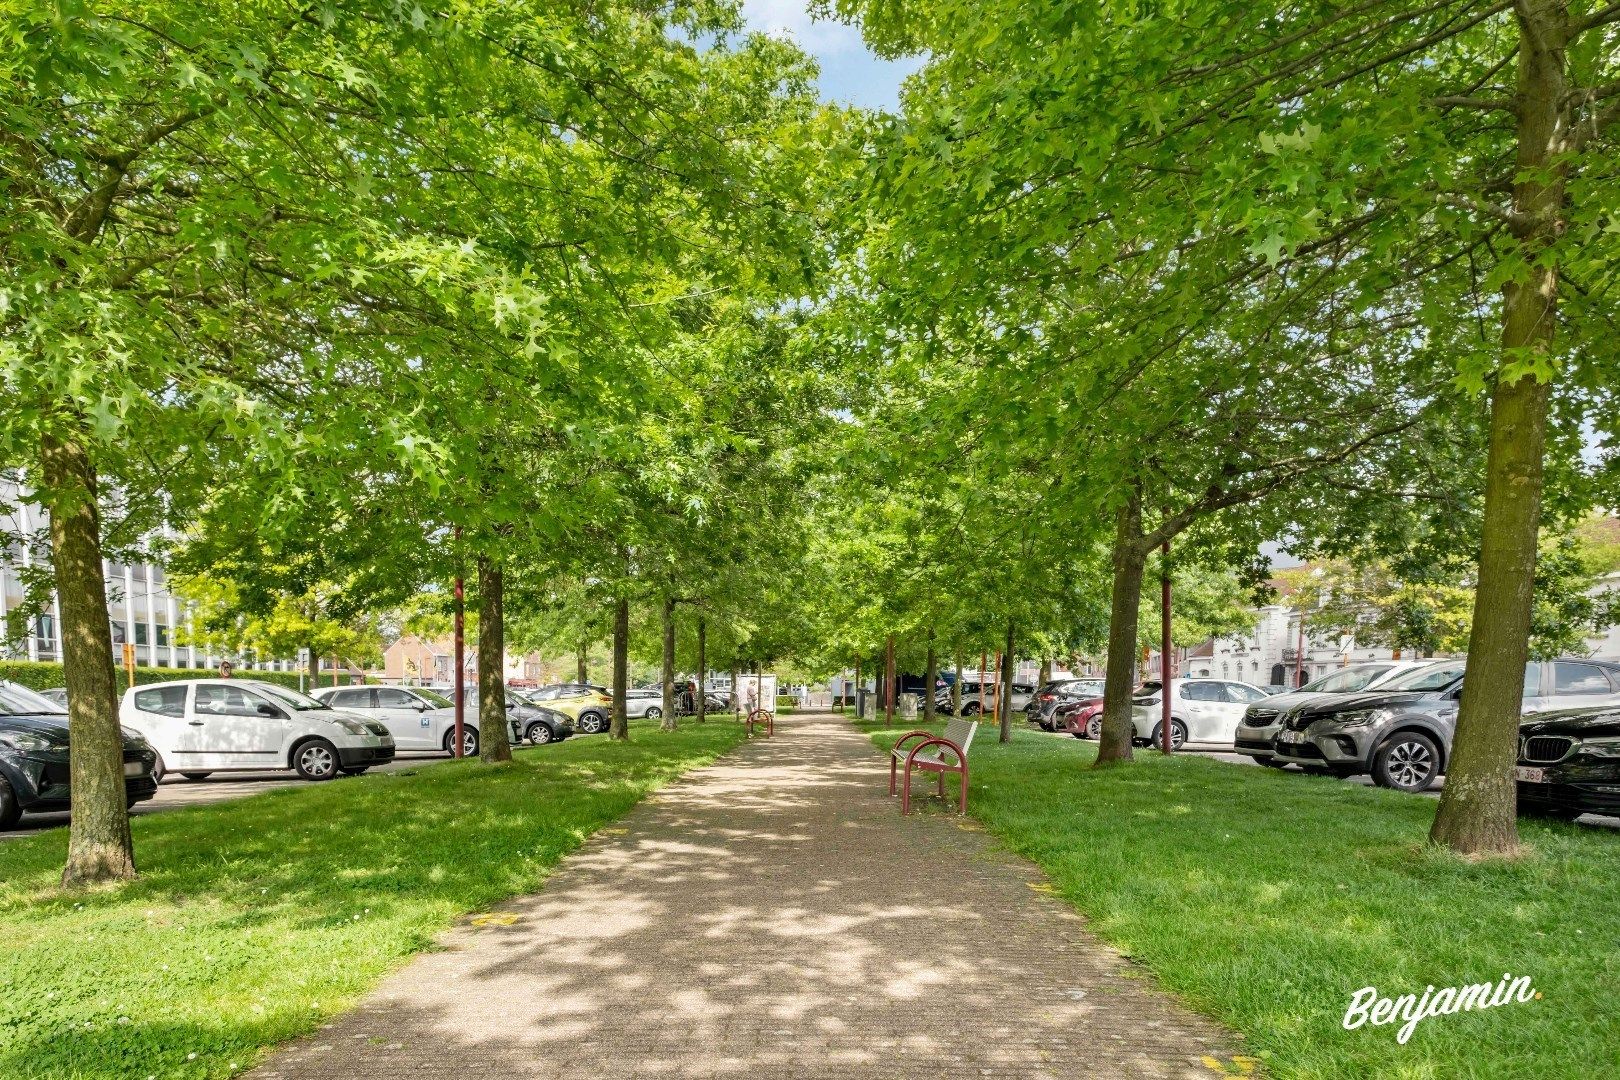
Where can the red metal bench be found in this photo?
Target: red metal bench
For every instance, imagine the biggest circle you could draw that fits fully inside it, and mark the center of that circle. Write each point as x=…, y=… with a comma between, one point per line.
x=953, y=744
x=761, y=716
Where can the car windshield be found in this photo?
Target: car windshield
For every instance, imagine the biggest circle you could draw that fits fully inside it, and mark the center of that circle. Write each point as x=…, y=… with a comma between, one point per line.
x=1433, y=677
x=18, y=700
x=1345, y=680
x=288, y=696
x=438, y=701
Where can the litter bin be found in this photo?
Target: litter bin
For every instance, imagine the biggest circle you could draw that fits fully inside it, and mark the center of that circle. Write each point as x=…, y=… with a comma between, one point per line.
x=861, y=698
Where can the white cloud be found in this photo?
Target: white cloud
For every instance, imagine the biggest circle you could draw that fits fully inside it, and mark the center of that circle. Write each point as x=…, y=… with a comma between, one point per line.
x=822, y=37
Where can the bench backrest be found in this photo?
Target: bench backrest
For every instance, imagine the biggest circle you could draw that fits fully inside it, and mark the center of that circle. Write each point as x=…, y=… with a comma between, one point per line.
x=960, y=731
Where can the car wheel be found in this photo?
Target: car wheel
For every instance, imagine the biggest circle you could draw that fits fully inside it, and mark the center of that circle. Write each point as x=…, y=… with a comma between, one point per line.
x=316, y=759
x=159, y=770
x=196, y=775
x=654, y=713
x=1094, y=727
x=539, y=733
x=1178, y=734
x=10, y=808
x=1407, y=761
x=469, y=741
x=970, y=708
x=592, y=723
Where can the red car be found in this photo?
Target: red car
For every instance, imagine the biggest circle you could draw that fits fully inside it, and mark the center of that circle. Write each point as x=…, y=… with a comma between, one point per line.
x=1082, y=719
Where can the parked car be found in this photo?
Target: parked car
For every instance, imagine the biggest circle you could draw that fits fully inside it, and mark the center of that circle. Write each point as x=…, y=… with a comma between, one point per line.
x=1022, y=692
x=34, y=773
x=418, y=718
x=56, y=695
x=1081, y=717
x=1401, y=732
x=1043, y=704
x=1201, y=710
x=588, y=705
x=203, y=726
x=1569, y=763
x=1260, y=723
x=527, y=721
x=647, y=703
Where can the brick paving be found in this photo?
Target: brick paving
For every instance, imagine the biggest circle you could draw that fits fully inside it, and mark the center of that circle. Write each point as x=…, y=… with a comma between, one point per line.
x=773, y=915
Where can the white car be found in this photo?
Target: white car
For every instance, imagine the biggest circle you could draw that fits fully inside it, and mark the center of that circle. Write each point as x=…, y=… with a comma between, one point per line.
x=202, y=726
x=648, y=703
x=416, y=717
x=1201, y=710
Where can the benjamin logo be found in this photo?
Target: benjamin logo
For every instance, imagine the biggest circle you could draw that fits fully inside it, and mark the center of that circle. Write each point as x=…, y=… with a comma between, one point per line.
x=1367, y=1006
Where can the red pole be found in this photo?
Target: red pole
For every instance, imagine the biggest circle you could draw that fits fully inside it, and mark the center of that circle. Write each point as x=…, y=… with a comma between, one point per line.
x=461, y=663
x=888, y=684
x=857, y=689
x=1165, y=668
x=995, y=699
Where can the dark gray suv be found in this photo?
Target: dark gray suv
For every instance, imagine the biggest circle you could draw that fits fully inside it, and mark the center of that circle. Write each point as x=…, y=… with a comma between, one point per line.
x=1401, y=732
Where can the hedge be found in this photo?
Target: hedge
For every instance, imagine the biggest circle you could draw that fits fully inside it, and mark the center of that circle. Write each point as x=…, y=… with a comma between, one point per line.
x=46, y=674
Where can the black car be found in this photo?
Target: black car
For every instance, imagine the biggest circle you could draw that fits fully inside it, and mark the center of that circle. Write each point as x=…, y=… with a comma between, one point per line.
x=34, y=760
x=1569, y=763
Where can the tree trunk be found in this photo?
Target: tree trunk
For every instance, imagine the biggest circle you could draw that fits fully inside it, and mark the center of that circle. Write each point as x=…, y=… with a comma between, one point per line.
x=956, y=687
x=582, y=661
x=888, y=684
x=620, y=727
x=494, y=739
x=1046, y=671
x=668, y=723
x=1479, y=803
x=1129, y=560
x=99, y=845
x=1007, y=686
x=701, y=705
x=736, y=688
x=1478, y=808
x=314, y=667
x=930, y=676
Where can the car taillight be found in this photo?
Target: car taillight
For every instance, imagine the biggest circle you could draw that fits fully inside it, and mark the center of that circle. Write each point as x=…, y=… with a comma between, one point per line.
x=1048, y=697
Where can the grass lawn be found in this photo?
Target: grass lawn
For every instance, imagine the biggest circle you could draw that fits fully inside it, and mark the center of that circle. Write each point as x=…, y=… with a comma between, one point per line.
x=252, y=921
x=1267, y=899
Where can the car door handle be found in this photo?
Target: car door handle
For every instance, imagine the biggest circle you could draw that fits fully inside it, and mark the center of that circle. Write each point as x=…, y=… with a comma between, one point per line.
x=195, y=723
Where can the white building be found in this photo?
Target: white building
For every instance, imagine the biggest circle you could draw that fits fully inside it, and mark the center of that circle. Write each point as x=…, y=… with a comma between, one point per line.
x=140, y=609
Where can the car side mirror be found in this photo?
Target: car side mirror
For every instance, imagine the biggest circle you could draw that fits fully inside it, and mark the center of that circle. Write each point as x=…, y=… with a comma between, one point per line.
x=264, y=708
x=421, y=706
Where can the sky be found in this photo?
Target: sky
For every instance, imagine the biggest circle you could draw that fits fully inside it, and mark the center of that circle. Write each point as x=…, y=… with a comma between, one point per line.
x=849, y=71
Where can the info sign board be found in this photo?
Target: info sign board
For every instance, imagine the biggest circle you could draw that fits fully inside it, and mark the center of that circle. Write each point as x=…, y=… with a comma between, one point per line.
x=757, y=692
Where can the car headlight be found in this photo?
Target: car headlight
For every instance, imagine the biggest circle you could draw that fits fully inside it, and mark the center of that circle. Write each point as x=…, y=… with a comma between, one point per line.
x=353, y=727
x=1359, y=718
x=1609, y=747
x=25, y=741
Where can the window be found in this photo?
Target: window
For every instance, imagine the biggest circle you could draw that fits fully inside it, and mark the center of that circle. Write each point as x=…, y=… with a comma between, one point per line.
x=1243, y=695
x=1202, y=691
x=1532, y=680
x=217, y=700
x=395, y=699
x=352, y=699
x=162, y=635
x=141, y=634
x=1424, y=679
x=437, y=700
x=1346, y=680
x=1580, y=679
x=162, y=700
x=120, y=632
x=45, y=628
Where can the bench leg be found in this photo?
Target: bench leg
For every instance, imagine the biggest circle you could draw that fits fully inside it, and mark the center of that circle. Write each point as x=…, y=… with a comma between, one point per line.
x=893, y=765
x=905, y=792
x=962, y=802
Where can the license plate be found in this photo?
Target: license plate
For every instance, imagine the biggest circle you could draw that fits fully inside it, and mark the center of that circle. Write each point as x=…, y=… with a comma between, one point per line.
x=132, y=768
x=1291, y=737
x=1530, y=776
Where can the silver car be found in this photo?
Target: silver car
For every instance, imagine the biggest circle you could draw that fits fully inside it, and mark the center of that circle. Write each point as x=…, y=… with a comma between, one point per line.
x=1262, y=721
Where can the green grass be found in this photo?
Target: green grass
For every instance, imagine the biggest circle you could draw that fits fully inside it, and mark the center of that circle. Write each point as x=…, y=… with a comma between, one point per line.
x=252, y=921
x=1267, y=899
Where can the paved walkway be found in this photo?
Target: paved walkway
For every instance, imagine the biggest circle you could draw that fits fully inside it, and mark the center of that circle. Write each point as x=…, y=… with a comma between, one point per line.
x=773, y=915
